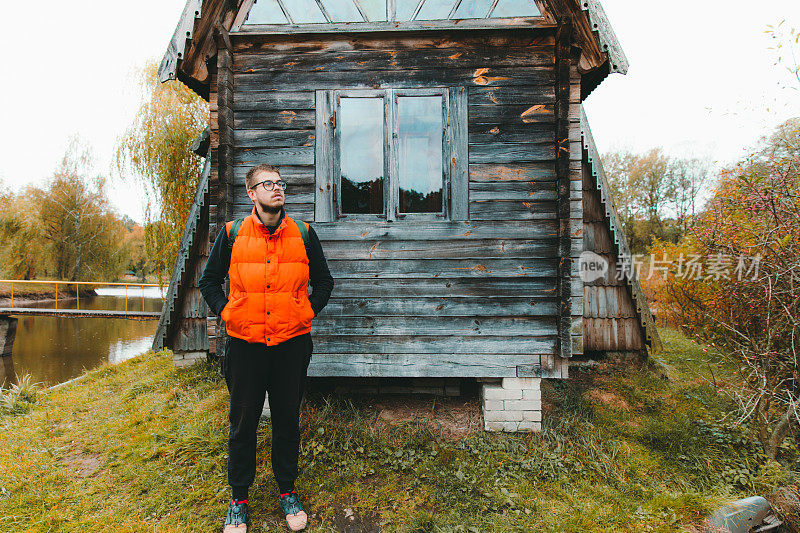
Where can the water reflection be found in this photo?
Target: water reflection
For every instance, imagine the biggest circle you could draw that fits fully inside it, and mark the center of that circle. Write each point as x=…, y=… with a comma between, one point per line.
x=56, y=349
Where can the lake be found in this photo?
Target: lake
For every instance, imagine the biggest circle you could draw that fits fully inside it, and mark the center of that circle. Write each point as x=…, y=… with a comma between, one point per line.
x=56, y=349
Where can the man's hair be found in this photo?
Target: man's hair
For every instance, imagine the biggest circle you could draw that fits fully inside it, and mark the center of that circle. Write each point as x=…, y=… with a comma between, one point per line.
x=250, y=179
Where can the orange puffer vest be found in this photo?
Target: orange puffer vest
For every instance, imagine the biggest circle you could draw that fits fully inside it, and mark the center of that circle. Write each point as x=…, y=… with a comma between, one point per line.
x=268, y=301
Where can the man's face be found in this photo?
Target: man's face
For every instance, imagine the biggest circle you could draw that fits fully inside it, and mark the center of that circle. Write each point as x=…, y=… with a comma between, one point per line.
x=269, y=201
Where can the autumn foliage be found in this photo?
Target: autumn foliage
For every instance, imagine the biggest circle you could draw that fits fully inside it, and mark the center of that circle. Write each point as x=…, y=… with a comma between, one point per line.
x=744, y=293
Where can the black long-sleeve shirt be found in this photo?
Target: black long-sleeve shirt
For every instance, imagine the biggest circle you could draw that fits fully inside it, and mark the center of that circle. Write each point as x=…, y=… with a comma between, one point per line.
x=219, y=261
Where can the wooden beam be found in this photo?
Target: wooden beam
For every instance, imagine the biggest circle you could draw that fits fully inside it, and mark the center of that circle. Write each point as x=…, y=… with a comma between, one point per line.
x=563, y=61
x=223, y=37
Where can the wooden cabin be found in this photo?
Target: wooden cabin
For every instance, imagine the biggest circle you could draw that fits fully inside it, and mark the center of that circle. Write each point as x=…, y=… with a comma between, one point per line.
x=440, y=150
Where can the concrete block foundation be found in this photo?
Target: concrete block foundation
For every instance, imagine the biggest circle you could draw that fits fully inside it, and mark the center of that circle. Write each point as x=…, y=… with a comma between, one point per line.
x=511, y=404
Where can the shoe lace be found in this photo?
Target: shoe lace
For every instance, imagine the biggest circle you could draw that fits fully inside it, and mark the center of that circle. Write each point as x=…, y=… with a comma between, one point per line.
x=237, y=514
x=291, y=504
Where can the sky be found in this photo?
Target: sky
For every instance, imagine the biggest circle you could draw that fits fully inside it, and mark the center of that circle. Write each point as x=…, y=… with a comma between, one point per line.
x=701, y=83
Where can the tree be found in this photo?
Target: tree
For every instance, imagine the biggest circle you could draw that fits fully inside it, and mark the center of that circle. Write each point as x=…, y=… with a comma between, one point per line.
x=655, y=194
x=752, y=222
x=22, y=244
x=76, y=219
x=155, y=151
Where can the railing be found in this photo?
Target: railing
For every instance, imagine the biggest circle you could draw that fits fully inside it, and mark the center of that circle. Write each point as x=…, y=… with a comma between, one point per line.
x=77, y=288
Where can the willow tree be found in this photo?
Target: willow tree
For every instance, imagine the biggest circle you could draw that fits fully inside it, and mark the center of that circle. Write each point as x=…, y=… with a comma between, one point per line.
x=154, y=151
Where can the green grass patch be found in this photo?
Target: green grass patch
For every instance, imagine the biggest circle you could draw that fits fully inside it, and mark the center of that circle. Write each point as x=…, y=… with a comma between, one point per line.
x=142, y=446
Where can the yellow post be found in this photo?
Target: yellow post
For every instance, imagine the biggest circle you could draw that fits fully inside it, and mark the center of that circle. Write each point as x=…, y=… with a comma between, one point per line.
x=12, y=294
x=142, y=298
x=126, y=298
x=56, y=295
x=78, y=296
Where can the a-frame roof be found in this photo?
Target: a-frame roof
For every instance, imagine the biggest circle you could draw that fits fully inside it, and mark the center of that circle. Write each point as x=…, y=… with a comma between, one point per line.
x=193, y=42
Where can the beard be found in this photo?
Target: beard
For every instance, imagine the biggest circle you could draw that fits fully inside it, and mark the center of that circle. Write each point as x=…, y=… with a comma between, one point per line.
x=272, y=210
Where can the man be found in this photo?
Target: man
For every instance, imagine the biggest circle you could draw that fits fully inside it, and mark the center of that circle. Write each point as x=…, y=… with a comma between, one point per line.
x=268, y=321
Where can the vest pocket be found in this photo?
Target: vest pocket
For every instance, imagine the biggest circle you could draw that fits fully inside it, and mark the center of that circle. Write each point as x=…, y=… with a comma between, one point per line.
x=304, y=311
x=235, y=315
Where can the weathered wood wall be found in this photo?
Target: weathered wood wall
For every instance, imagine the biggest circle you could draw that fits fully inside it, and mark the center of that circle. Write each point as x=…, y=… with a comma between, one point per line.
x=474, y=298
x=611, y=322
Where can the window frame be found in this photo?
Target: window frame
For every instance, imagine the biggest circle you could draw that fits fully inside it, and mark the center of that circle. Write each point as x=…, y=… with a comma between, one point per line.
x=454, y=155
x=395, y=151
x=336, y=155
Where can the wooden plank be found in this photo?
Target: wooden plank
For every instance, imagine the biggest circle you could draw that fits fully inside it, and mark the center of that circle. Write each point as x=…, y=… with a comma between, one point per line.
x=420, y=365
x=561, y=115
x=450, y=287
x=511, y=133
x=35, y=311
x=273, y=138
x=306, y=81
x=497, y=40
x=459, y=155
x=441, y=307
x=511, y=95
x=436, y=231
x=325, y=206
x=424, y=325
x=274, y=100
x=519, y=113
x=512, y=209
x=501, y=153
x=275, y=120
x=429, y=249
x=512, y=172
x=421, y=268
x=302, y=155
x=388, y=59
x=434, y=344
x=541, y=195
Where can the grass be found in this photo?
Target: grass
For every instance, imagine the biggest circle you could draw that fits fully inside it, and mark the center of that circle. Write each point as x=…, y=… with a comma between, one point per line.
x=141, y=446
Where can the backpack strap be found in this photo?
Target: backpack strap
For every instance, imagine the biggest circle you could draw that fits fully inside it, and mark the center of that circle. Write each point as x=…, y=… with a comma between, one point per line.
x=303, y=227
x=233, y=230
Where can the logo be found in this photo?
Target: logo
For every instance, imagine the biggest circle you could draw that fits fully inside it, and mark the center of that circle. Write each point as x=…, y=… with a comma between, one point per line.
x=592, y=266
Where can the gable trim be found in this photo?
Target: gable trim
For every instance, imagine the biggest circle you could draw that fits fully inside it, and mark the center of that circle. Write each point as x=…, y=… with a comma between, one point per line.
x=615, y=227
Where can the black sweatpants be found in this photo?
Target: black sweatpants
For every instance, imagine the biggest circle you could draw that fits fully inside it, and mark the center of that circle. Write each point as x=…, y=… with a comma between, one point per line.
x=251, y=370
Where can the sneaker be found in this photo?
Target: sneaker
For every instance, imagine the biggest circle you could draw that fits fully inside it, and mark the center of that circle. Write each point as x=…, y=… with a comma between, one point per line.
x=236, y=521
x=296, y=517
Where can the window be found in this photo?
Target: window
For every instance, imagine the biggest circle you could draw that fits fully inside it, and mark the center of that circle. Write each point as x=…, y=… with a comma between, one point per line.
x=391, y=154
x=332, y=11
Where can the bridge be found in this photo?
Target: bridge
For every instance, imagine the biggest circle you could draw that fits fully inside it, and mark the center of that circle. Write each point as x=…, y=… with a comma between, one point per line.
x=10, y=313
x=87, y=313
x=77, y=311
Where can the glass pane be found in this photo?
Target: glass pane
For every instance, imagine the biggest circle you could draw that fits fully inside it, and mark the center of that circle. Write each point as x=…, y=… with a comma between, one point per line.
x=361, y=154
x=405, y=8
x=473, y=9
x=420, y=153
x=266, y=12
x=435, y=9
x=374, y=9
x=342, y=10
x=516, y=8
x=304, y=11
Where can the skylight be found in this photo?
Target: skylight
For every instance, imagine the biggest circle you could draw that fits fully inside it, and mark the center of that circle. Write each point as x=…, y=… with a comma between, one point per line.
x=333, y=11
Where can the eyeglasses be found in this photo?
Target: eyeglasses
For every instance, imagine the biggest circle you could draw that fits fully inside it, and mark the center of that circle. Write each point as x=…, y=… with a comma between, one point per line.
x=269, y=185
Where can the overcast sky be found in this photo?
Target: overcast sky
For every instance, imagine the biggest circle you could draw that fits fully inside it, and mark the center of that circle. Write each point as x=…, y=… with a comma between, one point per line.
x=701, y=82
